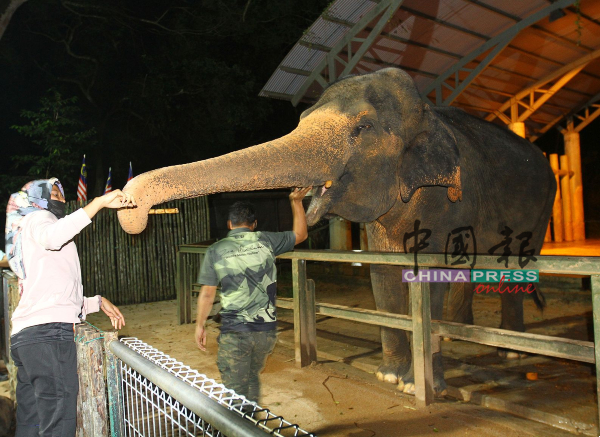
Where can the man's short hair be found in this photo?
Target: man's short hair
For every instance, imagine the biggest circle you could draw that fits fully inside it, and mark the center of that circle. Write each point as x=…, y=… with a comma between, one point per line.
x=241, y=213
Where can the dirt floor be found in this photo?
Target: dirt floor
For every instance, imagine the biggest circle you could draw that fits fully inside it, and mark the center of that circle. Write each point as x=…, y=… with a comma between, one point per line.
x=340, y=396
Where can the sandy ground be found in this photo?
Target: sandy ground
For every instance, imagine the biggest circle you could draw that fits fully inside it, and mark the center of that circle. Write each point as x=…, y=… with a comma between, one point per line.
x=332, y=398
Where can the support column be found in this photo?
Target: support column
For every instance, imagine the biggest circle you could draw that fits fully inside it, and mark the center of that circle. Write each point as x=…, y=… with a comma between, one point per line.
x=557, y=212
x=364, y=241
x=548, y=236
x=518, y=127
x=565, y=192
x=572, y=150
x=340, y=234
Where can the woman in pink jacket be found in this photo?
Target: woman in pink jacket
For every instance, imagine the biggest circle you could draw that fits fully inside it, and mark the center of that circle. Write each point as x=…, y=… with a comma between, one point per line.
x=41, y=252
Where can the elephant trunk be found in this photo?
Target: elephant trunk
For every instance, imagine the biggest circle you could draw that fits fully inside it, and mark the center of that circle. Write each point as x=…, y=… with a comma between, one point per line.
x=295, y=160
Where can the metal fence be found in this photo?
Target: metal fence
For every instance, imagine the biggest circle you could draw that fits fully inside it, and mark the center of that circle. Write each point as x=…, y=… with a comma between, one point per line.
x=420, y=324
x=164, y=397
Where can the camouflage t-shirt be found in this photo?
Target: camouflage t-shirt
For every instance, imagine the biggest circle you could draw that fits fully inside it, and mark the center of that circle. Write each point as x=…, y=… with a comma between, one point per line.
x=244, y=263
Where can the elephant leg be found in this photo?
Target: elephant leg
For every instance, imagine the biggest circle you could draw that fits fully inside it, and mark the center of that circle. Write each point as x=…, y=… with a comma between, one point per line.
x=512, y=319
x=391, y=295
x=460, y=303
x=407, y=382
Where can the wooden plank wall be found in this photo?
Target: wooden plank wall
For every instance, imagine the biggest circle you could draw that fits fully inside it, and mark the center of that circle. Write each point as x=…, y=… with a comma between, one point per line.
x=128, y=269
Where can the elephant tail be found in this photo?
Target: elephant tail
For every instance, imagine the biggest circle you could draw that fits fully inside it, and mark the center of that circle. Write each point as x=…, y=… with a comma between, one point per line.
x=538, y=297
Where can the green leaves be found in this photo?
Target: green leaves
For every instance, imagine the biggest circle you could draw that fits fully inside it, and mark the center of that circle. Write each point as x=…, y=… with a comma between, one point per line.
x=61, y=138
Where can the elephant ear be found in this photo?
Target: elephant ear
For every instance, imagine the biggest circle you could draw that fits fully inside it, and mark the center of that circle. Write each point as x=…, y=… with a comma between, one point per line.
x=430, y=159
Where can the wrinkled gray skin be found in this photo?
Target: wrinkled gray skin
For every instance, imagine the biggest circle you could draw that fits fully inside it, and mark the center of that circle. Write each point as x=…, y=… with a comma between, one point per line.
x=393, y=160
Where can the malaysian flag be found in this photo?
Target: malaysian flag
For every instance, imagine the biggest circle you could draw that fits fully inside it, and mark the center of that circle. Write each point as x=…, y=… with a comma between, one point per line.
x=130, y=176
x=108, y=187
x=82, y=186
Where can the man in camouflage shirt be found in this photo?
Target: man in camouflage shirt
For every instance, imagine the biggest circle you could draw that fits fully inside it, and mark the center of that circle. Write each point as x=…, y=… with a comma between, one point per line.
x=244, y=264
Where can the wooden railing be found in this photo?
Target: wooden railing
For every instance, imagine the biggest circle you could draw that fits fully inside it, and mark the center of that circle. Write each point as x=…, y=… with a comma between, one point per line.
x=421, y=325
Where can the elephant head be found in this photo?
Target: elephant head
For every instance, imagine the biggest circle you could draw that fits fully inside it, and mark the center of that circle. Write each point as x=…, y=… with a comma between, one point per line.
x=368, y=143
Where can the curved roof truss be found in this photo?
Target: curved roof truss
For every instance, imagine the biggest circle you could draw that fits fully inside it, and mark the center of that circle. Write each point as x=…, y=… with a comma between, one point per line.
x=534, y=61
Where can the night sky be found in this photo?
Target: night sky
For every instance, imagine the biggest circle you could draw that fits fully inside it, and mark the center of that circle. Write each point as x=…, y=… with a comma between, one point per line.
x=163, y=83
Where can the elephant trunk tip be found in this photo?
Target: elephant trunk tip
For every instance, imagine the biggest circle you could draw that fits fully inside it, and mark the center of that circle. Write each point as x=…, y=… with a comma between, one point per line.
x=132, y=220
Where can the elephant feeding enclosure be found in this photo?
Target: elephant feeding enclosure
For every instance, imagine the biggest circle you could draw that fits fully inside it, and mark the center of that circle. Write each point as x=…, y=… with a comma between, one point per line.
x=422, y=327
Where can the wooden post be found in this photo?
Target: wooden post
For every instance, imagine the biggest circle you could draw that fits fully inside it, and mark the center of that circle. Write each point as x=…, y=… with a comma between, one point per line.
x=421, y=345
x=548, y=236
x=179, y=272
x=557, y=213
x=84, y=420
x=565, y=190
x=364, y=240
x=92, y=416
x=573, y=152
x=188, y=287
x=311, y=320
x=340, y=234
x=114, y=387
x=595, y=282
x=518, y=127
x=304, y=334
x=13, y=301
x=97, y=397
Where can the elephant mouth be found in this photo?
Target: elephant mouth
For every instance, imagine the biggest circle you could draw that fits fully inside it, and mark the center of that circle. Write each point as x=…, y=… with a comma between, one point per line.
x=320, y=204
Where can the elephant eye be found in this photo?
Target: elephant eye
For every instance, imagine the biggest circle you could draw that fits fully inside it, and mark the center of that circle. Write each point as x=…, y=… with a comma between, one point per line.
x=361, y=127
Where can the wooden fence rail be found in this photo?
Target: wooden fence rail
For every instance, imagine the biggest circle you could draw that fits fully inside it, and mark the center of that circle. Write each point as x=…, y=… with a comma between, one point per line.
x=129, y=269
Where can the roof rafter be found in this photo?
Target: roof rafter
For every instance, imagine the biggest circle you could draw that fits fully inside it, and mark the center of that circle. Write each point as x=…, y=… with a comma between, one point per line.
x=565, y=74
x=494, y=46
x=392, y=37
x=385, y=9
x=565, y=116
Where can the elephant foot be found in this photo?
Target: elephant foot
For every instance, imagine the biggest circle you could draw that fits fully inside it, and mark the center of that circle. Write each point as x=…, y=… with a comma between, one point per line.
x=511, y=355
x=407, y=385
x=390, y=373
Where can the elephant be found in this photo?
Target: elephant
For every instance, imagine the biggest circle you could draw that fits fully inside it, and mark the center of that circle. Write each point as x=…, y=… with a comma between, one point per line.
x=378, y=154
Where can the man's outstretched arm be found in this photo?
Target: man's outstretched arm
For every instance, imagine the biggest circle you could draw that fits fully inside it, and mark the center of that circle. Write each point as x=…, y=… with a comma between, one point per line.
x=299, y=216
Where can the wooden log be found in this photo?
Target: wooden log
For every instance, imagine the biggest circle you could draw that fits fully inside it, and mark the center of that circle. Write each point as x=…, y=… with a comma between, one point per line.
x=84, y=419
x=97, y=396
x=164, y=211
x=548, y=236
x=557, y=213
x=114, y=387
x=421, y=344
x=595, y=285
x=572, y=150
x=12, y=285
x=305, y=351
x=565, y=190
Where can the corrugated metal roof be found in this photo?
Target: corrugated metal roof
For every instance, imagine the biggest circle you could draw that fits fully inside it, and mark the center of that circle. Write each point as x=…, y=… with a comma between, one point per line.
x=429, y=38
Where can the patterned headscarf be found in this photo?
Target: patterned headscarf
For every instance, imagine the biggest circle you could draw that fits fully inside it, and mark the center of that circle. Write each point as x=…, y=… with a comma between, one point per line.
x=34, y=196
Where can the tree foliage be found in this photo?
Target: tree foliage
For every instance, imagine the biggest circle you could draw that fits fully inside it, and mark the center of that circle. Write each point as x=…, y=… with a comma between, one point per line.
x=59, y=135
x=161, y=82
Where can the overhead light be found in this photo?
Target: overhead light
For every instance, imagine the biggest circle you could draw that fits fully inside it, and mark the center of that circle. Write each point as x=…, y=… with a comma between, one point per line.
x=556, y=14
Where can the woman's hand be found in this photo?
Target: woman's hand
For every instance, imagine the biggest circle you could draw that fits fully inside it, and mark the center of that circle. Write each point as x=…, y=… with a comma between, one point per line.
x=118, y=199
x=114, y=199
x=116, y=318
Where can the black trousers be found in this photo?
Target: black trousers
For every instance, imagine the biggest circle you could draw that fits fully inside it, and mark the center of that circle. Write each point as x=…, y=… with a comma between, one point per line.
x=47, y=384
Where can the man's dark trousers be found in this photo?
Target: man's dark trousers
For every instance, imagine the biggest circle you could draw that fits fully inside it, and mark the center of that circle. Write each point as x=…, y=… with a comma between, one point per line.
x=241, y=358
x=47, y=384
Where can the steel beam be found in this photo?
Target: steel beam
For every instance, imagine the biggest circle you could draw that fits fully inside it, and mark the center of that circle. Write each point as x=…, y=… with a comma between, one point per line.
x=386, y=9
x=562, y=117
x=494, y=46
x=563, y=72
